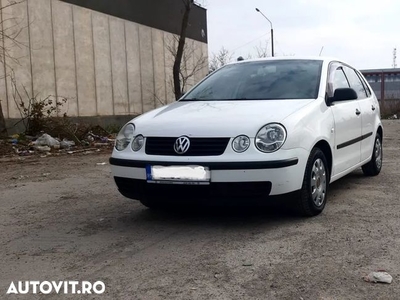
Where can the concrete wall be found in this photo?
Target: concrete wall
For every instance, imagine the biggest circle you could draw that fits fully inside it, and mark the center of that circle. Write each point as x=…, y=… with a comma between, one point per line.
x=103, y=65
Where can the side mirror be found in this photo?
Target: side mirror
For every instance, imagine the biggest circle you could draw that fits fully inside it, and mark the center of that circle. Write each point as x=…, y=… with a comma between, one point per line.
x=344, y=94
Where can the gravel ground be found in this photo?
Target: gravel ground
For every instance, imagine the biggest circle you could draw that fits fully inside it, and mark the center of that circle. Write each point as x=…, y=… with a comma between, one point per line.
x=63, y=219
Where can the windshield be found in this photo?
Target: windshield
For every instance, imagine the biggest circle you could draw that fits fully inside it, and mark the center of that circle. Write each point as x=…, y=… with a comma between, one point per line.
x=261, y=80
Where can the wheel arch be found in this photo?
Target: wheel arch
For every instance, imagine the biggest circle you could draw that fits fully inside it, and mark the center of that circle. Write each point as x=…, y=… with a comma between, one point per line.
x=324, y=146
x=380, y=131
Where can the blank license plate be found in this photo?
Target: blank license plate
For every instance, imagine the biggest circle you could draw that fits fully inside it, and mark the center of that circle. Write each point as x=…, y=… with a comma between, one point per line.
x=178, y=174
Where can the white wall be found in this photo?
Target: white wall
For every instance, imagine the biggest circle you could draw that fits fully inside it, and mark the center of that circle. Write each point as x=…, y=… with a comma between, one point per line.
x=103, y=65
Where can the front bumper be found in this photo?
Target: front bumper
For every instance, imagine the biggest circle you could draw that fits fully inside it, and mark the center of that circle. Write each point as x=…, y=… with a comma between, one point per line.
x=248, y=178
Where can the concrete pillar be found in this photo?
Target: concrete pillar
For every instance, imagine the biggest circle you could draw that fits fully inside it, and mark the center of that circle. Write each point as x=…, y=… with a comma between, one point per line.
x=102, y=55
x=119, y=68
x=42, y=51
x=205, y=69
x=19, y=68
x=199, y=56
x=3, y=88
x=159, y=67
x=133, y=65
x=64, y=53
x=147, y=67
x=170, y=43
x=85, y=61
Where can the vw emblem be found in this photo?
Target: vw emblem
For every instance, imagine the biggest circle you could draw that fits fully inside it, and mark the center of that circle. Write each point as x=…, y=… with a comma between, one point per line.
x=182, y=145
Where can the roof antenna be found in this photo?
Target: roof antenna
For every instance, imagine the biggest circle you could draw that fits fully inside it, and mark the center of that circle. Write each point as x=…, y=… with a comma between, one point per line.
x=322, y=49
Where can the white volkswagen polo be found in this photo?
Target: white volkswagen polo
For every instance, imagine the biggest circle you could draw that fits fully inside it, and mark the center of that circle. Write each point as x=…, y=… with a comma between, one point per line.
x=256, y=128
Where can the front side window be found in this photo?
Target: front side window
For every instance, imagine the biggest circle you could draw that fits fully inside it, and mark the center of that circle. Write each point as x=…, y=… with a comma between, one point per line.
x=261, y=80
x=339, y=79
x=336, y=79
x=355, y=82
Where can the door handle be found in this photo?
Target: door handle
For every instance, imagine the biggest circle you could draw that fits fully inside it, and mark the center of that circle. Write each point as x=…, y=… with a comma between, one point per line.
x=358, y=112
x=373, y=107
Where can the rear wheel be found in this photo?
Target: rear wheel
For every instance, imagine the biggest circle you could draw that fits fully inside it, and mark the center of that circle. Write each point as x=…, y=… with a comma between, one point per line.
x=374, y=167
x=313, y=194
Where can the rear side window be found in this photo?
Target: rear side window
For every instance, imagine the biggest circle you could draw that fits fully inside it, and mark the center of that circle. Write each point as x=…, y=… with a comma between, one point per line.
x=365, y=84
x=355, y=82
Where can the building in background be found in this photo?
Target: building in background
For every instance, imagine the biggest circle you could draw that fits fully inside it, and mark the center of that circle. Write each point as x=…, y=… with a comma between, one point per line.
x=384, y=82
x=107, y=58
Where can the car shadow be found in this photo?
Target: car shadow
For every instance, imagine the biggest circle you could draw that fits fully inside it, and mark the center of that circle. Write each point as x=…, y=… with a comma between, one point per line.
x=243, y=213
x=344, y=183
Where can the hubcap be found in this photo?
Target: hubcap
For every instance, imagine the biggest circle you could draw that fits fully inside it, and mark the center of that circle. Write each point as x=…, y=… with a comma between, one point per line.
x=378, y=153
x=318, y=182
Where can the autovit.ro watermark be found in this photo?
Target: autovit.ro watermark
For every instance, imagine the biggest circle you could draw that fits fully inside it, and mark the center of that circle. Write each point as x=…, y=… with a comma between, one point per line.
x=57, y=287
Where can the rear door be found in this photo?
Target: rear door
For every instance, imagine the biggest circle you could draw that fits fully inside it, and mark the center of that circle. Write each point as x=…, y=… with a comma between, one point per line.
x=367, y=110
x=369, y=116
x=347, y=116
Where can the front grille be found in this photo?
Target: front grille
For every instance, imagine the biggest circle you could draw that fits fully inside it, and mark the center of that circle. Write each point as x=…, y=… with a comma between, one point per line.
x=198, y=146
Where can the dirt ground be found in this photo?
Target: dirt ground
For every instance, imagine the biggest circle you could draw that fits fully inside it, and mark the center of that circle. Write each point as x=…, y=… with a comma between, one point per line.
x=62, y=218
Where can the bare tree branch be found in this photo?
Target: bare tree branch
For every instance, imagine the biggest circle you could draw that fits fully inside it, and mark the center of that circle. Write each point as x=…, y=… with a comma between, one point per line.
x=220, y=59
x=181, y=44
x=262, y=50
x=10, y=30
x=191, y=63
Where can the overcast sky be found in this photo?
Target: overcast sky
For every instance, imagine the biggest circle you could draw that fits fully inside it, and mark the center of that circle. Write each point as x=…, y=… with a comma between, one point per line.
x=360, y=32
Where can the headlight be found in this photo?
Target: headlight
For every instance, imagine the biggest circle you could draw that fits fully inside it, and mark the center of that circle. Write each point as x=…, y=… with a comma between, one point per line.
x=241, y=143
x=270, y=137
x=124, y=137
x=138, y=143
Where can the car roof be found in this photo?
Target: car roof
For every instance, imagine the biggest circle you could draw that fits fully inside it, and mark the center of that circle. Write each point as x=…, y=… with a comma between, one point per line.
x=321, y=58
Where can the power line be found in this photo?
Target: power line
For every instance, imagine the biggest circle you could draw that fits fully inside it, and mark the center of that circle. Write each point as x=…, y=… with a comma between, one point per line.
x=250, y=42
x=279, y=46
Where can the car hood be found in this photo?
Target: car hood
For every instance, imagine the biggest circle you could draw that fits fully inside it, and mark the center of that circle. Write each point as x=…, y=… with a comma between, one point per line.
x=215, y=118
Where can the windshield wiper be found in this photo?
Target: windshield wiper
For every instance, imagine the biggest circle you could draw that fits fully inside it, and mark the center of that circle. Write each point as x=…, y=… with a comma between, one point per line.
x=197, y=99
x=192, y=99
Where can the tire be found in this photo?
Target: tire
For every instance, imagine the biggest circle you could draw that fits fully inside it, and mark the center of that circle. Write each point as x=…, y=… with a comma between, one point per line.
x=374, y=166
x=314, y=191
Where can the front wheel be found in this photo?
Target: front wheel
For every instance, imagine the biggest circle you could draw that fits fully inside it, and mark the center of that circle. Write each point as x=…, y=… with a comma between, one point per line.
x=314, y=191
x=152, y=203
x=374, y=167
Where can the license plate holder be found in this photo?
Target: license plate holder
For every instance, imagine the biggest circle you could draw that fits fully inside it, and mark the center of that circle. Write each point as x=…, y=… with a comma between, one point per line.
x=189, y=174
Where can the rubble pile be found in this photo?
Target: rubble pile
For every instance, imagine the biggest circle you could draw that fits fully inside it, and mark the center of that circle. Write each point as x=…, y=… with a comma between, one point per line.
x=45, y=144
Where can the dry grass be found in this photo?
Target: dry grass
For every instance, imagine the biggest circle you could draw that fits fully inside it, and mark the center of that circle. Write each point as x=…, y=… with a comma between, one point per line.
x=390, y=107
